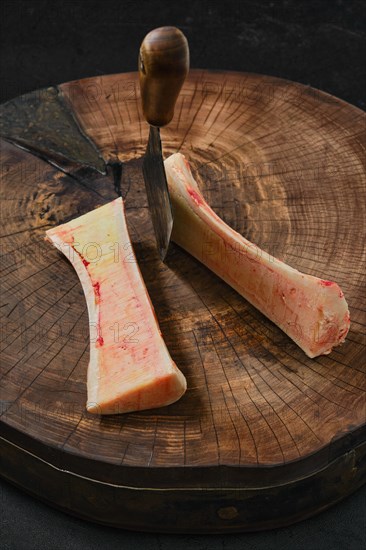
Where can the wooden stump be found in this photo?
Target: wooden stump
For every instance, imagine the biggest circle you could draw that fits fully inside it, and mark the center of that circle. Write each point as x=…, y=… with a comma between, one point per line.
x=264, y=435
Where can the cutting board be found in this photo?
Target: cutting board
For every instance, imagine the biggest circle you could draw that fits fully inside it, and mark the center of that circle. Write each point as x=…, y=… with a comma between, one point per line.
x=264, y=436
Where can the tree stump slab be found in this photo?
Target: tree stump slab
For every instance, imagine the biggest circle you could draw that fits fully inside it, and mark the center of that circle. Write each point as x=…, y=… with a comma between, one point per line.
x=264, y=436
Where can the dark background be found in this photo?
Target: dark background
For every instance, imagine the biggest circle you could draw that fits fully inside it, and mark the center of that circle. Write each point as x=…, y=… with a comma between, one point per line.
x=318, y=42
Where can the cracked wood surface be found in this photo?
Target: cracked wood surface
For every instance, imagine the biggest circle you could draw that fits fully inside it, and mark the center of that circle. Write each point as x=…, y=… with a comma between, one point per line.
x=281, y=163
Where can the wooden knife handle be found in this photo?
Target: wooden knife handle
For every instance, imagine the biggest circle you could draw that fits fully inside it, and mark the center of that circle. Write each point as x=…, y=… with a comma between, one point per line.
x=163, y=66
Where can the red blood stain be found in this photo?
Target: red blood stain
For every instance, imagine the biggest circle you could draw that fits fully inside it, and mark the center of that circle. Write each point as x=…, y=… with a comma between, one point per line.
x=186, y=163
x=96, y=287
x=85, y=262
x=342, y=333
x=100, y=341
x=65, y=234
x=195, y=196
x=326, y=283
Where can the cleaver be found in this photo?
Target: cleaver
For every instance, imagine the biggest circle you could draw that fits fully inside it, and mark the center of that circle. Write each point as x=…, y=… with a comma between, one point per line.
x=163, y=65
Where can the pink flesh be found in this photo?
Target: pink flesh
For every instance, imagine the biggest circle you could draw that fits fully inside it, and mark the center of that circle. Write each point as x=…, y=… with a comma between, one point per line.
x=130, y=368
x=312, y=311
